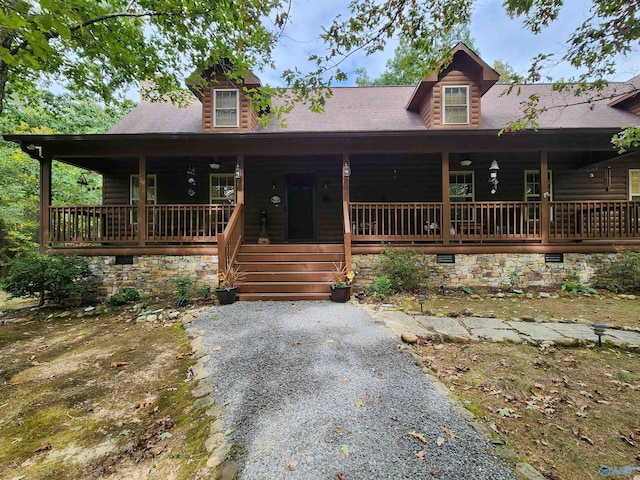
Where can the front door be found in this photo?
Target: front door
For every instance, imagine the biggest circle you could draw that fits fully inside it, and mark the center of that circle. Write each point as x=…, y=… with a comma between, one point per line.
x=300, y=207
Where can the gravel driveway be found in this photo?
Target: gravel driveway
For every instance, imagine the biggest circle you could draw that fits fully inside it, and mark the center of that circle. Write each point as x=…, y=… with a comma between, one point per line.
x=316, y=389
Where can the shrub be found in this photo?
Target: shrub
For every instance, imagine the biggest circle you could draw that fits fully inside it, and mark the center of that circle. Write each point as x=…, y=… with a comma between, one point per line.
x=380, y=288
x=622, y=275
x=183, y=285
x=125, y=296
x=204, y=291
x=573, y=284
x=65, y=280
x=404, y=269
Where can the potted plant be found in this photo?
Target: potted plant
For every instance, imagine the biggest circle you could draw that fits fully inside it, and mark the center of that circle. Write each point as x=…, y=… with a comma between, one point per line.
x=228, y=285
x=342, y=280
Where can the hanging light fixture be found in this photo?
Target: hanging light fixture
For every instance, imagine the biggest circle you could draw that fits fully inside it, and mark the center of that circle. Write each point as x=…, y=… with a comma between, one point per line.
x=238, y=171
x=493, y=175
x=346, y=169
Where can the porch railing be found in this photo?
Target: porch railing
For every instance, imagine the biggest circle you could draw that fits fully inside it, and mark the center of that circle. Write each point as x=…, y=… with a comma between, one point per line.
x=496, y=221
x=594, y=220
x=118, y=224
x=187, y=223
x=230, y=240
x=395, y=221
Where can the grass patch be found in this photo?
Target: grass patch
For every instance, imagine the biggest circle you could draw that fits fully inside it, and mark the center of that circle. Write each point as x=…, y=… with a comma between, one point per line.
x=84, y=396
x=566, y=411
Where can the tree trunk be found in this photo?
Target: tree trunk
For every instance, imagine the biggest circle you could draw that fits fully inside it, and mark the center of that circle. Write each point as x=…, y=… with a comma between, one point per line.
x=6, y=40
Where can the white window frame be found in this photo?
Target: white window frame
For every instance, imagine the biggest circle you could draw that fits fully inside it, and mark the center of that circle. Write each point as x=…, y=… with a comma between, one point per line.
x=633, y=194
x=535, y=197
x=453, y=199
x=152, y=189
x=215, y=107
x=444, y=104
x=217, y=199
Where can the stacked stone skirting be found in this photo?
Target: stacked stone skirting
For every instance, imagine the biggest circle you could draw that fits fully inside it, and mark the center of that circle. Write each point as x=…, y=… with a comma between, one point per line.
x=152, y=275
x=496, y=270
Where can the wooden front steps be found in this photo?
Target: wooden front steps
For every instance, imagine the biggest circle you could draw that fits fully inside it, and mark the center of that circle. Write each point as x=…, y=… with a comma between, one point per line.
x=287, y=272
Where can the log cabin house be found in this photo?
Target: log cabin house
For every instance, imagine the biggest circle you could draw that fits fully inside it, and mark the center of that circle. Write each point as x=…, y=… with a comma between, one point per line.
x=192, y=190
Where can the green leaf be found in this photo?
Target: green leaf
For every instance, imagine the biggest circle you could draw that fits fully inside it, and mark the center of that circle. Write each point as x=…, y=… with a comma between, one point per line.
x=345, y=449
x=503, y=412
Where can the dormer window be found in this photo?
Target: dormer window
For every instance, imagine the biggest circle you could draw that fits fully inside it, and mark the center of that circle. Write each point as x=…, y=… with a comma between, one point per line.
x=225, y=106
x=455, y=105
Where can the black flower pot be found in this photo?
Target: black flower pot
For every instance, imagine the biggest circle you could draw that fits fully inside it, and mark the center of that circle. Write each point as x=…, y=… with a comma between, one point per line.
x=340, y=294
x=226, y=296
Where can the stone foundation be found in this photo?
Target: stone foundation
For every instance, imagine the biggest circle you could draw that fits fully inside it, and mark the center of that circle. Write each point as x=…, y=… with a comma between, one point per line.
x=499, y=270
x=152, y=275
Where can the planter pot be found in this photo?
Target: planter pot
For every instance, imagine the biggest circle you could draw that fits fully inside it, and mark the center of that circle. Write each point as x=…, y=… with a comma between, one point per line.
x=340, y=294
x=226, y=296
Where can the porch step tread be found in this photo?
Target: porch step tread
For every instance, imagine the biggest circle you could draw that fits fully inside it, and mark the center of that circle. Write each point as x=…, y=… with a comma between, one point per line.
x=284, y=287
x=286, y=276
x=279, y=296
x=290, y=256
x=271, y=266
x=294, y=248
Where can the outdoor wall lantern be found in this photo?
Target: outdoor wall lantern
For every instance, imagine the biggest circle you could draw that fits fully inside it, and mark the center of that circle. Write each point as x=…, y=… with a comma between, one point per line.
x=493, y=176
x=598, y=329
x=238, y=172
x=346, y=169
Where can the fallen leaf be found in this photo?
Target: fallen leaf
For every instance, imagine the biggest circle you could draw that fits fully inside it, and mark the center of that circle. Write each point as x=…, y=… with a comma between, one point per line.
x=584, y=438
x=419, y=436
x=291, y=465
x=629, y=441
x=451, y=433
x=295, y=344
x=119, y=364
x=440, y=441
x=344, y=381
x=44, y=447
x=345, y=449
x=165, y=435
x=216, y=348
x=420, y=456
x=359, y=404
x=341, y=476
x=308, y=459
x=145, y=403
x=331, y=341
x=584, y=393
x=503, y=412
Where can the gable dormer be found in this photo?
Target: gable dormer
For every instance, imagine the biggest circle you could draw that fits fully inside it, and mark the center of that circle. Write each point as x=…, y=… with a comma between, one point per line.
x=451, y=99
x=629, y=101
x=225, y=105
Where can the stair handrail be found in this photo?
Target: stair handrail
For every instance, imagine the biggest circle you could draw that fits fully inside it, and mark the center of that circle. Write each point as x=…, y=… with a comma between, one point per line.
x=347, y=234
x=230, y=240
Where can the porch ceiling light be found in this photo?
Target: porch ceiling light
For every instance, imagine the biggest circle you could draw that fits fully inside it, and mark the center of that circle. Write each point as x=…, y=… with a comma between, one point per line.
x=346, y=169
x=238, y=172
x=465, y=163
x=214, y=165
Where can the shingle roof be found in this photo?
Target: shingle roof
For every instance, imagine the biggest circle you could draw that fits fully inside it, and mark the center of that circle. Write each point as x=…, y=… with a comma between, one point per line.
x=370, y=109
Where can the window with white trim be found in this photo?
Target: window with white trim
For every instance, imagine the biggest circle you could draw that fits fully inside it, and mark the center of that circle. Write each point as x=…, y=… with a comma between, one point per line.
x=532, y=185
x=134, y=189
x=455, y=105
x=634, y=184
x=225, y=108
x=222, y=188
x=461, y=190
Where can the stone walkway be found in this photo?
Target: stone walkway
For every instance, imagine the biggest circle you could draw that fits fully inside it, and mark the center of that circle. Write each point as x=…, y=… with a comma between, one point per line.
x=469, y=328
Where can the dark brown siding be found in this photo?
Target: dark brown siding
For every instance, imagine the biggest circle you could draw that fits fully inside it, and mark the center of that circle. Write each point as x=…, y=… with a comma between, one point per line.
x=247, y=120
x=263, y=172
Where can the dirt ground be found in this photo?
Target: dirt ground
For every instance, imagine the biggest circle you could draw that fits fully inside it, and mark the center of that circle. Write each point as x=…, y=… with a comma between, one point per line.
x=569, y=412
x=95, y=394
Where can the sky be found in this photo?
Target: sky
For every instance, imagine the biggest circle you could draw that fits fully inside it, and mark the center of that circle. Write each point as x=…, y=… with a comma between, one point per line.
x=496, y=36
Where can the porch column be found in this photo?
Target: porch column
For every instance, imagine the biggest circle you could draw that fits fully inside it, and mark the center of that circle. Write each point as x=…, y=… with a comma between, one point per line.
x=142, y=202
x=240, y=192
x=545, y=205
x=45, y=203
x=445, y=217
x=346, y=215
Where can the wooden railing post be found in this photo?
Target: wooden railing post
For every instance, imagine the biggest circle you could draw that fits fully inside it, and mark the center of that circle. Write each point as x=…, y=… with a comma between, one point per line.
x=142, y=200
x=345, y=211
x=45, y=203
x=445, y=217
x=545, y=204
